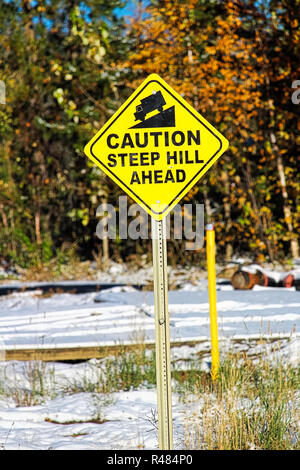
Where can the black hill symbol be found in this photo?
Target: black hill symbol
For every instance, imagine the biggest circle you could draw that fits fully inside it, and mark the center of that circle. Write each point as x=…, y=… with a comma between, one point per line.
x=148, y=104
x=151, y=103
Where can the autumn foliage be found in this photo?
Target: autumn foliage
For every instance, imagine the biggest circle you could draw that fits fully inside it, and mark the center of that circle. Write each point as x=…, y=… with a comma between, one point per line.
x=68, y=65
x=230, y=61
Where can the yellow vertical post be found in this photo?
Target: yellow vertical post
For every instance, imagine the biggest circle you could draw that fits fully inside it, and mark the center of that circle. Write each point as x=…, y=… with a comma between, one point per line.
x=211, y=271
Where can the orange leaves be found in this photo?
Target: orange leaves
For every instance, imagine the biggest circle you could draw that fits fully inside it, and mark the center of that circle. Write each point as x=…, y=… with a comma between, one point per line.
x=211, y=50
x=295, y=23
x=228, y=77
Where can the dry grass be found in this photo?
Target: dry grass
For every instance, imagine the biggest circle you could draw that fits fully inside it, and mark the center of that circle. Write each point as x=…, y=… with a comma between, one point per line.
x=250, y=406
x=54, y=271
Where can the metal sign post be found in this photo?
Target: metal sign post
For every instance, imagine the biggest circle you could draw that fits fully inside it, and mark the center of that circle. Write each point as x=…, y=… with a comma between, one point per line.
x=162, y=334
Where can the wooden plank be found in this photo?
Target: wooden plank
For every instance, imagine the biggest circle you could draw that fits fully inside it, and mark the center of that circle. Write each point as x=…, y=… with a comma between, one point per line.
x=76, y=353
x=99, y=352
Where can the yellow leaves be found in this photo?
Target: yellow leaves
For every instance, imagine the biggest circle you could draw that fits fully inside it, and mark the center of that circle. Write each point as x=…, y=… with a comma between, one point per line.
x=57, y=69
x=268, y=146
x=265, y=210
x=241, y=201
x=288, y=171
x=288, y=219
x=244, y=133
x=72, y=105
x=211, y=50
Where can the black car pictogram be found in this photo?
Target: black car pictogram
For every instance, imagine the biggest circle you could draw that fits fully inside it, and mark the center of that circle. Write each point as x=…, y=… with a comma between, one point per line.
x=148, y=104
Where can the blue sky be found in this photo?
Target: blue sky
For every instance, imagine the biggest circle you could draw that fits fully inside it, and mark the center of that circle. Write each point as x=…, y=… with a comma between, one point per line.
x=129, y=9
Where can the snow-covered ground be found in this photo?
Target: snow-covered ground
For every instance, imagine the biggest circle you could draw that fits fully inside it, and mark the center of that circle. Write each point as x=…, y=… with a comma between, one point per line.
x=120, y=315
x=123, y=315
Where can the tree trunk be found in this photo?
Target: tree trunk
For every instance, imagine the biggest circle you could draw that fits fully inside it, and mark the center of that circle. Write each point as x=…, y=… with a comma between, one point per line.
x=286, y=207
x=3, y=215
x=11, y=194
x=256, y=210
x=227, y=213
x=280, y=168
x=37, y=221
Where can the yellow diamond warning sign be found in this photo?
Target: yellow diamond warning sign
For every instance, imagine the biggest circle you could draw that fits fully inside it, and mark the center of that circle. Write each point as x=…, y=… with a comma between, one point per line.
x=156, y=147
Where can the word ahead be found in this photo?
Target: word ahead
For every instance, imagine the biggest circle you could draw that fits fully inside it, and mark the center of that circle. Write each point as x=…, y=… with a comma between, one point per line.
x=156, y=147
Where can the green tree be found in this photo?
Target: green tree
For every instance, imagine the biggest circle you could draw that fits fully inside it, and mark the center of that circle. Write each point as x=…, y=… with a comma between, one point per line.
x=58, y=63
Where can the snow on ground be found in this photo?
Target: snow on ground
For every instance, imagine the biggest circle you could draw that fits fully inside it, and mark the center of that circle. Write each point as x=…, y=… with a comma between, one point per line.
x=122, y=315
x=129, y=421
x=70, y=422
